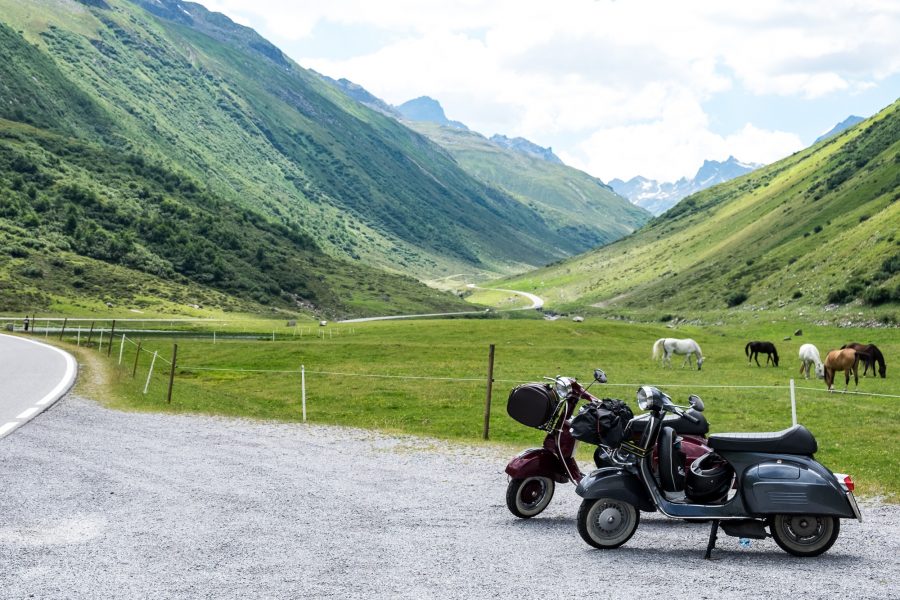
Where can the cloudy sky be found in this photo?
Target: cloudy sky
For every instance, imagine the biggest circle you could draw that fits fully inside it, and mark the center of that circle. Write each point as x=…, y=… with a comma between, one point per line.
x=617, y=87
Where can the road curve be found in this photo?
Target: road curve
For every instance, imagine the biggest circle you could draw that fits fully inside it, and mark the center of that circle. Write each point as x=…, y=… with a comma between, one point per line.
x=536, y=301
x=33, y=375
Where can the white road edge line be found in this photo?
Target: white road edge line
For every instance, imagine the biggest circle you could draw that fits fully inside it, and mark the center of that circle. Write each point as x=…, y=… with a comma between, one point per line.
x=68, y=378
x=27, y=414
x=60, y=388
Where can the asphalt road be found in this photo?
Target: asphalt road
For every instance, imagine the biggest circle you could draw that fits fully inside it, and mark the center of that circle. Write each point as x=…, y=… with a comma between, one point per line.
x=96, y=503
x=536, y=302
x=32, y=376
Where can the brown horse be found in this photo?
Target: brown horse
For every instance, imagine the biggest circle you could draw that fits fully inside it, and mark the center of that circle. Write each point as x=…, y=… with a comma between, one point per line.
x=870, y=354
x=846, y=360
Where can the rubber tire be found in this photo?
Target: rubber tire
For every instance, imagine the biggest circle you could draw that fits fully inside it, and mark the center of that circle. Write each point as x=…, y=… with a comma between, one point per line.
x=523, y=508
x=589, y=513
x=779, y=526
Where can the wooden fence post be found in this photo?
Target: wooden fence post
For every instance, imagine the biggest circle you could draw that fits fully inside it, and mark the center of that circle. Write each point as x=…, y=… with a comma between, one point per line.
x=303, y=389
x=136, y=357
x=490, y=385
x=112, y=335
x=172, y=372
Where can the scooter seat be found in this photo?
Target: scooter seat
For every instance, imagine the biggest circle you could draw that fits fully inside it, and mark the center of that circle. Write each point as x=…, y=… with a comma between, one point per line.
x=794, y=440
x=679, y=424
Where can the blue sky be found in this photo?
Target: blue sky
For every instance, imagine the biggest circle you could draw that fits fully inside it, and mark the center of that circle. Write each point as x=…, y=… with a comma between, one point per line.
x=617, y=88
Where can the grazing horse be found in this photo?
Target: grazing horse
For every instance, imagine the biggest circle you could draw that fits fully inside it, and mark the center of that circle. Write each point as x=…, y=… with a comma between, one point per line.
x=870, y=355
x=752, y=350
x=846, y=360
x=809, y=356
x=670, y=346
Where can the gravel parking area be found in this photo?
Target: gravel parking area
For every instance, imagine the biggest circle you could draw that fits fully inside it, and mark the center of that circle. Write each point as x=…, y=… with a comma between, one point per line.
x=103, y=504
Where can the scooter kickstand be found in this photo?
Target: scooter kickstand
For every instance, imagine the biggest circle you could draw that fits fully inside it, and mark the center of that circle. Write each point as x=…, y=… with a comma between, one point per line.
x=713, y=530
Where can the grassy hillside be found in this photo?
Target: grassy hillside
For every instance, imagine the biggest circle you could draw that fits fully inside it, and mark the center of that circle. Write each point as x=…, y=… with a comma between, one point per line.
x=82, y=224
x=191, y=90
x=584, y=211
x=815, y=229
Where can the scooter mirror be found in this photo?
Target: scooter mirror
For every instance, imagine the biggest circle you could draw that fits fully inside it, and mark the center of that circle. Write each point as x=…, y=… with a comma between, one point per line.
x=599, y=376
x=696, y=402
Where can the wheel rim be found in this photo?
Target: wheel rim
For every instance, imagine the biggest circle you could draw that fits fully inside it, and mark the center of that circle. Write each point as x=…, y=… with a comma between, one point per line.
x=804, y=532
x=534, y=494
x=610, y=521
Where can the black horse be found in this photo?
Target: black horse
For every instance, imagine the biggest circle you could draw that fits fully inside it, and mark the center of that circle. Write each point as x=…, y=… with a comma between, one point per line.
x=752, y=350
x=870, y=354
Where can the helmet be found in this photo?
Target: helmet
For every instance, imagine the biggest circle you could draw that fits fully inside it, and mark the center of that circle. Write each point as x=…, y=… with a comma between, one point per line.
x=708, y=479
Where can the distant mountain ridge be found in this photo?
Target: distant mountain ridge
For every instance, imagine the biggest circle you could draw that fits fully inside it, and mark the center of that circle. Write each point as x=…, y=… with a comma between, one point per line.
x=362, y=95
x=526, y=147
x=845, y=124
x=659, y=197
x=428, y=110
x=580, y=208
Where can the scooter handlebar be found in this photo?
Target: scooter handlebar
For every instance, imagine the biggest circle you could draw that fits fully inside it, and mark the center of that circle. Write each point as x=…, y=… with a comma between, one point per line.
x=681, y=412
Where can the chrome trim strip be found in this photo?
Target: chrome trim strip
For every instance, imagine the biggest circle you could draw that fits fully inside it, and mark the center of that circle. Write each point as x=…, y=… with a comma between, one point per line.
x=852, y=500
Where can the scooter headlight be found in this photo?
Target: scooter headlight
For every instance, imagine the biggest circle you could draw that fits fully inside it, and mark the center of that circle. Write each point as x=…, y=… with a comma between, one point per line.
x=649, y=398
x=563, y=387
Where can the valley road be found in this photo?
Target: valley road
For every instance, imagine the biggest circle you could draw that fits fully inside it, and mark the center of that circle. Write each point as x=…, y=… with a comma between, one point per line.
x=104, y=504
x=32, y=377
x=536, y=302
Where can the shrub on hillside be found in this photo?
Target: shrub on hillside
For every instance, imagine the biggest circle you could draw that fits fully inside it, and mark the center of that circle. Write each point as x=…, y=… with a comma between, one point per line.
x=736, y=299
x=881, y=295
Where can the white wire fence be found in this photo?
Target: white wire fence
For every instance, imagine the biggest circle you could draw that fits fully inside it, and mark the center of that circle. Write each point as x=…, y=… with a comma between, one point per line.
x=113, y=344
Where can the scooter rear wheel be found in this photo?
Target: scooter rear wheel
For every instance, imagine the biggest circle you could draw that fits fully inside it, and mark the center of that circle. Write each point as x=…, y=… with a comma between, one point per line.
x=528, y=497
x=804, y=535
x=607, y=523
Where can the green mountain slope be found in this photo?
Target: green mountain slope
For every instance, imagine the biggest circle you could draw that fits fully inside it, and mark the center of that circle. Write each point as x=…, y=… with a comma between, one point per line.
x=82, y=224
x=185, y=86
x=815, y=228
x=580, y=208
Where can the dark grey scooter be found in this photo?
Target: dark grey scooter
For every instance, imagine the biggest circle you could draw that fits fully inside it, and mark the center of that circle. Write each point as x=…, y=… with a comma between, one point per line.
x=752, y=481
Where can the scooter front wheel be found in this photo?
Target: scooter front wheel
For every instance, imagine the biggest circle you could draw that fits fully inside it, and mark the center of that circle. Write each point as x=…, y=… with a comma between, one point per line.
x=804, y=535
x=607, y=523
x=528, y=497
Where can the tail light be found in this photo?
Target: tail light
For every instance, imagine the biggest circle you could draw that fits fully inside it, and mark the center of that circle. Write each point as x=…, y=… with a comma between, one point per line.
x=845, y=480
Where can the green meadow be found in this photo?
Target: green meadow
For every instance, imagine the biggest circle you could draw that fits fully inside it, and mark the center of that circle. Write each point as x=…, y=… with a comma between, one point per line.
x=428, y=377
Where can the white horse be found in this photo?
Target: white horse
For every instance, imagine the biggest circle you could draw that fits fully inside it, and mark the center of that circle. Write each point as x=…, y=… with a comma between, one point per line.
x=809, y=355
x=670, y=346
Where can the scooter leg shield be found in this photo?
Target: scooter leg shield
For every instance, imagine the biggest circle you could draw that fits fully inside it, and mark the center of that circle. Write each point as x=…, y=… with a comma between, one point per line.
x=615, y=483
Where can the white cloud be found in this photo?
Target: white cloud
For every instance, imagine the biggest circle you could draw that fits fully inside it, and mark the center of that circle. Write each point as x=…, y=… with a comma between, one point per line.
x=674, y=146
x=618, y=85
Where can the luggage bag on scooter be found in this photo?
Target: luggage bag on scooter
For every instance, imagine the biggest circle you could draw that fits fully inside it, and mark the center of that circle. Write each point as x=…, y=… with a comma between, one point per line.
x=601, y=423
x=531, y=404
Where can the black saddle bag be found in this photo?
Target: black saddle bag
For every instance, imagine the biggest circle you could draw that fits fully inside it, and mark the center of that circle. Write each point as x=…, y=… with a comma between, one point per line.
x=532, y=404
x=601, y=422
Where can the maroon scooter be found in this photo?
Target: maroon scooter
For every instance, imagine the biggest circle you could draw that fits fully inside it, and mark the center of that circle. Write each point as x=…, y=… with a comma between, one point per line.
x=534, y=473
